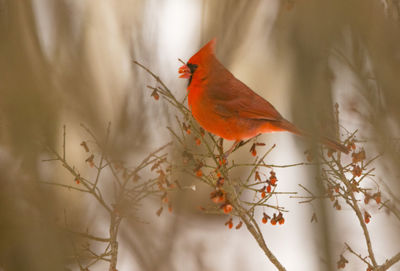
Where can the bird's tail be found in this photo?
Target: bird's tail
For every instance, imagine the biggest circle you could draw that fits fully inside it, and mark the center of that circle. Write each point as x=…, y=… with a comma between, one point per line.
x=330, y=143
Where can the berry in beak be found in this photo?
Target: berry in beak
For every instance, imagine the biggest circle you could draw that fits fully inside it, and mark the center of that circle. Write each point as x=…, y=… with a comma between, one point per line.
x=184, y=72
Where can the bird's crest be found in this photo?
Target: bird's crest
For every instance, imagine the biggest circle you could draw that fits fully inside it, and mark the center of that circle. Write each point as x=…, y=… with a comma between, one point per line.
x=203, y=54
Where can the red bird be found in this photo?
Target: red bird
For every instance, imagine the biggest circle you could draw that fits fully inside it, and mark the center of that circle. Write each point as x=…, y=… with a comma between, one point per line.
x=226, y=107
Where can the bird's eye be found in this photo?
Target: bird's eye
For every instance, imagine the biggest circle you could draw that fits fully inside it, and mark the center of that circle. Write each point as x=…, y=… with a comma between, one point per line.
x=192, y=67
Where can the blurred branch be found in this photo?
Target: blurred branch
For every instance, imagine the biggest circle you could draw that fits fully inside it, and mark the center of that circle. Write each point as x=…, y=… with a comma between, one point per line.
x=125, y=192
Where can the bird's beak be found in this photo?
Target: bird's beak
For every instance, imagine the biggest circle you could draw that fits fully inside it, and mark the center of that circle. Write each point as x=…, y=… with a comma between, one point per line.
x=184, y=72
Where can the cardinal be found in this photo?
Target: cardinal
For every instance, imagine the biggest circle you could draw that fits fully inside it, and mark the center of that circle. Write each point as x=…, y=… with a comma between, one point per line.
x=225, y=106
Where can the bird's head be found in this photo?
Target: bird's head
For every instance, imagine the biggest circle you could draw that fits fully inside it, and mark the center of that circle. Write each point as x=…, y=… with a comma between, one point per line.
x=198, y=61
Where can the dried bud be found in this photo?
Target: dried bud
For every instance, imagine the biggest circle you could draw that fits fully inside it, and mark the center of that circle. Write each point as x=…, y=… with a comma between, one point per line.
x=356, y=171
x=367, y=198
x=170, y=207
x=202, y=132
x=257, y=176
x=314, y=218
x=164, y=197
x=330, y=152
x=358, y=156
x=89, y=160
x=135, y=178
x=159, y=211
x=85, y=146
x=308, y=155
x=342, y=262
x=377, y=197
x=337, y=205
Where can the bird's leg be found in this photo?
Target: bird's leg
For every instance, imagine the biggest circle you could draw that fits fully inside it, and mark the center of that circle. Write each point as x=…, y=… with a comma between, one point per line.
x=231, y=149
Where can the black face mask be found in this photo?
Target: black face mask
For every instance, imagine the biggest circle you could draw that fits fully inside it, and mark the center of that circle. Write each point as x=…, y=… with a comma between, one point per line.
x=192, y=68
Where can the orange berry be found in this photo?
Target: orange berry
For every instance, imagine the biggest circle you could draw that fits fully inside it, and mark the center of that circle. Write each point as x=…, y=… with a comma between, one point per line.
x=218, y=196
x=367, y=217
x=272, y=180
x=227, y=208
x=229, y=223
x=238, y=226
x=222, y=161
x=281, y=221
x=198, y=141
x=253, y=149
x=263, y=194
x=273, y=221
x=199, y=173
x=265, y=218
x=155, y=95
x=77, y=180
x=269, y=188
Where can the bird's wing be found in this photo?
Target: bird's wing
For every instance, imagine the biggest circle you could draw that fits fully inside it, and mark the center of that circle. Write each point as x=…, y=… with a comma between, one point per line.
x=231, y=98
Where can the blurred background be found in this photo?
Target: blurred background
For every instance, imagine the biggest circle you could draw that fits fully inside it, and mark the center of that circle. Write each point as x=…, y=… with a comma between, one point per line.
x=66, y=62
